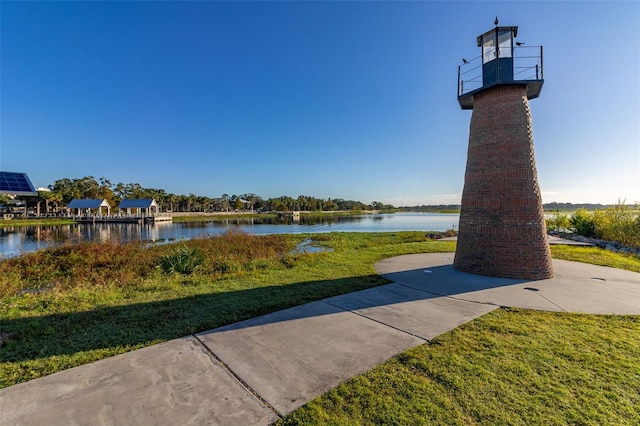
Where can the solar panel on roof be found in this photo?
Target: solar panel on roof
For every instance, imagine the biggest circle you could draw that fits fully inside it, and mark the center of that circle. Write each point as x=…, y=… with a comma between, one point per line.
x=16, y=184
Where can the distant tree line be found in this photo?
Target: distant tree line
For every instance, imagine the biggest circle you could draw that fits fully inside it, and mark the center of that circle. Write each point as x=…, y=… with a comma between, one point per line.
x=438, y=208
x=573, y=207
x=62, y=191
x=547, y=206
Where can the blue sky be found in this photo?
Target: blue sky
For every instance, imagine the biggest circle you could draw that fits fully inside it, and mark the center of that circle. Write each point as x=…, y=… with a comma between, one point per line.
x=353, y=100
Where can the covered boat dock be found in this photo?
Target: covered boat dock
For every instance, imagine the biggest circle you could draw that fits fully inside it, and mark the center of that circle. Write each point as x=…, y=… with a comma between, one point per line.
x=145, y=210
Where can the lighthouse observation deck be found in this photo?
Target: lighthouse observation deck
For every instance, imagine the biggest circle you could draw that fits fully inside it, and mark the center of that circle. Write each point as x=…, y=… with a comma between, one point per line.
x=527, y=71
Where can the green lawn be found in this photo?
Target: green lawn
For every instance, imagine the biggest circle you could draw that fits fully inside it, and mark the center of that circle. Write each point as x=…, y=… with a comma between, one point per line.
x=596, y=256
x=77, y=304
x=507, y=367
x=35, y=222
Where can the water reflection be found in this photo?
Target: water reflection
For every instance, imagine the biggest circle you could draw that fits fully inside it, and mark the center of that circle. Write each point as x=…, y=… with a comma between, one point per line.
x=17, y=240
x=20, y=239
x=307, y=246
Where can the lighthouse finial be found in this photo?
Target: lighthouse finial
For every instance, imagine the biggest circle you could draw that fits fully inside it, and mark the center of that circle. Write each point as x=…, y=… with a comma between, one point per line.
x=496, y=22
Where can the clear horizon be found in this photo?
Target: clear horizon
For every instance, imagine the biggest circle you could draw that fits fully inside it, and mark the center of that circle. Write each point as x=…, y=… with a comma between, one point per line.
x=351, y=100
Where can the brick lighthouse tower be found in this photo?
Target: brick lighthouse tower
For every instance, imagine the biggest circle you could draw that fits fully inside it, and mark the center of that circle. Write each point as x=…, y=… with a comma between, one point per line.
x=502, y=230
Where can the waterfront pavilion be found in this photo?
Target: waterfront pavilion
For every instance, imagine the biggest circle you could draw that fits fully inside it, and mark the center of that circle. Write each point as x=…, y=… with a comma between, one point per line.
x=145, y=206
x=89, y=207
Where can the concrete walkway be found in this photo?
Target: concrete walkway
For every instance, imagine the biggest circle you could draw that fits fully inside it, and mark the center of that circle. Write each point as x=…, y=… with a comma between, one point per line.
x=253, y=372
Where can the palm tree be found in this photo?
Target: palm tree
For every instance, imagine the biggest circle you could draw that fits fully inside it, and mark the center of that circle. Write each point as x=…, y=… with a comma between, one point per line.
x=172, y=199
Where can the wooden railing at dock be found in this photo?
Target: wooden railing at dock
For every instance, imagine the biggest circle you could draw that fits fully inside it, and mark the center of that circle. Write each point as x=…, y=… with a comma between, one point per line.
x=123, y=219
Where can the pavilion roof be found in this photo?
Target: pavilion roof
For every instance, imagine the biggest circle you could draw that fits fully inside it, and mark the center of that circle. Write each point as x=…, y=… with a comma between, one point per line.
x=88, y=203
x=139, y=203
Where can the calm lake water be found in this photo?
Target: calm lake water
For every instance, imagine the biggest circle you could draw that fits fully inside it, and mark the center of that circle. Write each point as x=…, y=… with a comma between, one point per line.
x=17, y=240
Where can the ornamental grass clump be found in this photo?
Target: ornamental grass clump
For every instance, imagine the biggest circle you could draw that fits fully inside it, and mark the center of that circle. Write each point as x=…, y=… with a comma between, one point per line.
x=181, y=260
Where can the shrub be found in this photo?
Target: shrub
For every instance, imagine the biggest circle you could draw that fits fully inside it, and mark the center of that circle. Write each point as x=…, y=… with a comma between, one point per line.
x=120, y=265
x=582, y=223
x=436, y=235
x=620, y=223
x=182, y=260
x=74, y=266
x=558, y=222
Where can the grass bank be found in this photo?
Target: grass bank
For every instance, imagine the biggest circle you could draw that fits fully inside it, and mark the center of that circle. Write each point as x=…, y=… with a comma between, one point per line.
x=76, y=304
x=596, y=256
x=199, y=217
x=509, y=367
x=35, y=222
x=195, y=217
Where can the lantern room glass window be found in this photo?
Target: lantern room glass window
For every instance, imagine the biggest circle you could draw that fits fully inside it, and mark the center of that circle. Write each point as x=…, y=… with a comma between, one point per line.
x=488, y=49
x=505, y=43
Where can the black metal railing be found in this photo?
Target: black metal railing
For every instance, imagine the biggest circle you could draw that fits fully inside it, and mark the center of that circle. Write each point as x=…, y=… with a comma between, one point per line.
x=527, y=66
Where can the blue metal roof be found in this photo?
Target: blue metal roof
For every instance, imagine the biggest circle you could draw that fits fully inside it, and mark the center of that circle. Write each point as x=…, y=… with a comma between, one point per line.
x=88, y=203
x=140, y=203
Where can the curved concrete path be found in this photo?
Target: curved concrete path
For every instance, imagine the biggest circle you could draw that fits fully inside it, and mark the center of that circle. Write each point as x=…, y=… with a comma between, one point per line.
x=255, y=371
x=576, y=287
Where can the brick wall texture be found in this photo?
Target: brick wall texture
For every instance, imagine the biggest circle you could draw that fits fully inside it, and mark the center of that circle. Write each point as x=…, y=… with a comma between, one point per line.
x=502, y=231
